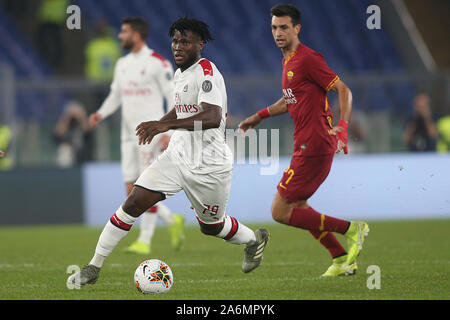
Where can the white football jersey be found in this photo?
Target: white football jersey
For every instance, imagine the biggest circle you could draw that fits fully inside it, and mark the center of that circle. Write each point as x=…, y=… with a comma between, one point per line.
x=141, y=82
x=201, y=149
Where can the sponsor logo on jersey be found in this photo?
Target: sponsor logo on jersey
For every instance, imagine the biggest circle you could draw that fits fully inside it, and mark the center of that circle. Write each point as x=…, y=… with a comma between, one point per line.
x=289, y=97
x=136, y=92
x=186, y=108
x=177, y=98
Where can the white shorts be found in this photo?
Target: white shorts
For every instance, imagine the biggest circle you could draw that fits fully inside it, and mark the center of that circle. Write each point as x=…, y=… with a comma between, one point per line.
x=135, y=157
x=208, y=193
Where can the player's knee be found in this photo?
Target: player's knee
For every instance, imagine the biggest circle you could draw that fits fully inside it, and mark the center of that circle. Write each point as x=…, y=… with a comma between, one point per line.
x=278, y=216
x=275, y=213
x=211, y=230
x=280, y=213
x=132, y=206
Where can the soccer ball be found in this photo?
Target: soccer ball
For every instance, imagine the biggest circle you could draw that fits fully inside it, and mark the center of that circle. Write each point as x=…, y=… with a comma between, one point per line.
x=153, y=276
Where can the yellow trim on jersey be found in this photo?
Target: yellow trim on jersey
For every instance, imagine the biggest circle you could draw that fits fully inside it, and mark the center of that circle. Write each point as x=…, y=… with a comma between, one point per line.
x=322, y=221
x=290, y=56
x=332, y=83
x=322, y=235
x=330, y=121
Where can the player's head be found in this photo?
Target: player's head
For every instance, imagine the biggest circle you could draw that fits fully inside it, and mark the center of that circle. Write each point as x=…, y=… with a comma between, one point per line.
x=188, y=38
x=286, y=24
x=134, y=30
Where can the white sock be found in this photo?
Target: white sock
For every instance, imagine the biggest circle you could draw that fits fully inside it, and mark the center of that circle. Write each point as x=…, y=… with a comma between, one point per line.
x=235, y=232
x=164, y=213
x=115, y=229
x=147, y=227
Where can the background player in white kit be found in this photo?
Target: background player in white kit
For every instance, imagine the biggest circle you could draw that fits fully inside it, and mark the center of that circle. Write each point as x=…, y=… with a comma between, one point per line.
x=198, y=162
x=142, y=79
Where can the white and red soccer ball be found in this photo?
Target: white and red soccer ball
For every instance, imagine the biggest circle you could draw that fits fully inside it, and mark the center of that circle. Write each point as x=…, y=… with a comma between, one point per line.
x=153, y=276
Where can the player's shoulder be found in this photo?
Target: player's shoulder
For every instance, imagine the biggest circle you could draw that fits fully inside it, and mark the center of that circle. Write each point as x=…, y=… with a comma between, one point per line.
x=204, y=68
x=308, y=54
x=121, y=60
x=156, y=57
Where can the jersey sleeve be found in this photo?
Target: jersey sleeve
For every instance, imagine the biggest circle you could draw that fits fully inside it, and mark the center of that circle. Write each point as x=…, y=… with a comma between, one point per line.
x=113, y=101
x=164, y=78
x=209, y=84
x=318, y=71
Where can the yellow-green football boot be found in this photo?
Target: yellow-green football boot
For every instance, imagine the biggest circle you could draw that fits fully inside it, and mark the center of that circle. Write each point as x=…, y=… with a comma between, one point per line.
x=176, y=231
x=340, y=267
x=139, y=247
x=356, y=234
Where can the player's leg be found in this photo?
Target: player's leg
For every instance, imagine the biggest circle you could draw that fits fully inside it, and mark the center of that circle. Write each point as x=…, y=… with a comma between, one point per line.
x=208, y=195
x=130, y=172
x=131, y=169
x=175, y=222
x=155, y=184
x=321, y=227
x=147, y=154
x=283, y=210
x=115, y=230
x=290, y=207
x=299, y=214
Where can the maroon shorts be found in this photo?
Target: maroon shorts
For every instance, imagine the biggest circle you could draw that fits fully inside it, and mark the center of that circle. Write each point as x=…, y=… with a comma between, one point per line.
x=304, y=176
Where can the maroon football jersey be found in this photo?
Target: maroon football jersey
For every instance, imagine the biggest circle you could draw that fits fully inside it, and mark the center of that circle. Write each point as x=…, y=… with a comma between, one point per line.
x=305, y=82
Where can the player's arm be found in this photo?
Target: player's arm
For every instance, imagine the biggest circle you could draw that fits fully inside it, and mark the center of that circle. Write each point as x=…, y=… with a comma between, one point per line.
x=345, y=99
x=171, y=115
x=345, y=103
x=166, y=83
x=273, y=110
x=111, y=103
x=209, y=118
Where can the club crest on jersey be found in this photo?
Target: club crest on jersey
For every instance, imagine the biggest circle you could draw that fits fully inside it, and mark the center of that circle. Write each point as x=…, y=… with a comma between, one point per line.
x=185, y=89
x=290, y=74
x=206, y=86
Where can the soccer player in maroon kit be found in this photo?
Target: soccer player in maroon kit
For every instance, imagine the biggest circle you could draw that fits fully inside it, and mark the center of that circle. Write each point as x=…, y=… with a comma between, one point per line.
x=306, y=79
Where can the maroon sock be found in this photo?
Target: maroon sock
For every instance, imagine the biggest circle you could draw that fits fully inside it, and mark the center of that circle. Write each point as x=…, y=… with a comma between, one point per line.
x=329, y=241
x=309, y=219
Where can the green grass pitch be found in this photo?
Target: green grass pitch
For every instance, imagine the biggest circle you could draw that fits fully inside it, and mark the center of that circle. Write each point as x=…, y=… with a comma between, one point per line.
x=413, y=257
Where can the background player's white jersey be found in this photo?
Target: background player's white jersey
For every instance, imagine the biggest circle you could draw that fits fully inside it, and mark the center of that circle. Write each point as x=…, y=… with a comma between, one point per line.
x=205, y=150
x=141, y=82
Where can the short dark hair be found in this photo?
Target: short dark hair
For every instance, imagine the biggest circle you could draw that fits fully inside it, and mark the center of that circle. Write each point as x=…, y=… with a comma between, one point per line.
x=196, y=26
x=282, y=10
x=139, y=25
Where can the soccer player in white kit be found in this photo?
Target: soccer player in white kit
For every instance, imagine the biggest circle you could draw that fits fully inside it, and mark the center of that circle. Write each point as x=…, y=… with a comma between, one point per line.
x=197, y=161
x=142, y=79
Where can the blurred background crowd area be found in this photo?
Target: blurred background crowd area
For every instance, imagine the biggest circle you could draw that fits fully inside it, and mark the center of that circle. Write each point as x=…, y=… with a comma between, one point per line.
x=52, y=78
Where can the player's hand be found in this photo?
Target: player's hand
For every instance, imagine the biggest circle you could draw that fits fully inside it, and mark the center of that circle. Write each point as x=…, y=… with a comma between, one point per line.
x=340, y=131
x=94, y=120
x=146, y=131
x=249, y=123
x=1, y=153
x=164, y=142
